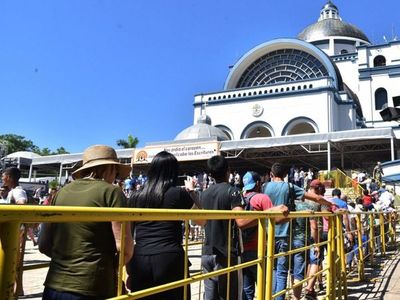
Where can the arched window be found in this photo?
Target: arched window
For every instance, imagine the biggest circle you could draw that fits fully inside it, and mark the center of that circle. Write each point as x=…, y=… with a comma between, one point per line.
x=381, y=99
x=379, y=61
x=226, y=130
x=280, y=66
x=300, y=125
x=258, y=129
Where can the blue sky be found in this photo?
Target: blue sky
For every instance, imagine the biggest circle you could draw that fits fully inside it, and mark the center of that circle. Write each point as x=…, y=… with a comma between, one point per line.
x=81, y=72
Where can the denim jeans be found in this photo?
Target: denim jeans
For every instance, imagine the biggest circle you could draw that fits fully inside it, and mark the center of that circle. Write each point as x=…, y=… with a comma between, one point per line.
x=281, y=266
x=50, y=294
x=215, y=287
x=298, y=260
x=249, y=275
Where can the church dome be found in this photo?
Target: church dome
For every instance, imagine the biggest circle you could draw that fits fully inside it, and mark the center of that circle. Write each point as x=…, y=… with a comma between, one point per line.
x=202, y=130
x=330, y=24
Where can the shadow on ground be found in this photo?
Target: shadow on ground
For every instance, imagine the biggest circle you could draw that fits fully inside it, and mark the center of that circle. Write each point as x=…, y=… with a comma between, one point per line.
x=377, y=277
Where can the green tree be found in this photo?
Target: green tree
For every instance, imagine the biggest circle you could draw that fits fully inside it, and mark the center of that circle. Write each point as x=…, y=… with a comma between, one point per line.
x=14, y=143
x=10, y=143
x=45, y=152
x=130, y=142
x=61, y=150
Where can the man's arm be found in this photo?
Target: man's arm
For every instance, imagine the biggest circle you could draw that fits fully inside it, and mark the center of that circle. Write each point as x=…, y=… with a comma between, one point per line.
x=190, y=188
x=246, y=223
x=346, y=222
x=317, y=198
x=282, y=209
x=128, y=250
x=45, y=239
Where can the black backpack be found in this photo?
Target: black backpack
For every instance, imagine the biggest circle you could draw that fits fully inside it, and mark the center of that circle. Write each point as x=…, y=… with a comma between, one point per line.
x=248, y=233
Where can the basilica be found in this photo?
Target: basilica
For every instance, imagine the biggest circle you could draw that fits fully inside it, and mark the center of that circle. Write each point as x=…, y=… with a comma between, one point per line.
x=321, y=92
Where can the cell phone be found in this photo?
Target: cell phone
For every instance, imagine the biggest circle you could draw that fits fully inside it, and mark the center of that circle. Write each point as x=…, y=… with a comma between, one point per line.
x=181, y=180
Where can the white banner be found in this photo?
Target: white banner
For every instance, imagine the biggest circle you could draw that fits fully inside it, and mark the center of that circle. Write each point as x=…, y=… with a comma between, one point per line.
x=182, y=152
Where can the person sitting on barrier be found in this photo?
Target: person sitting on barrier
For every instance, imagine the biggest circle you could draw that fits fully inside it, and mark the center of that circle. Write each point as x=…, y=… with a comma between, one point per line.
x=220, y=196
x=84, y=254
x=159, y=257
x=257, y=201
x=281, y=192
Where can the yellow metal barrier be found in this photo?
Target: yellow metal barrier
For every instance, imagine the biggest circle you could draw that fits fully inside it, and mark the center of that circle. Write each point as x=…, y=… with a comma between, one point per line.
x=335, y=271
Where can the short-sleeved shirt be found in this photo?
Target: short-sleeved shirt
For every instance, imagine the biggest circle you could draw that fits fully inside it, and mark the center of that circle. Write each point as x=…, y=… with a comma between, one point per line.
x=220, y=196
x=83, y=253
x=339, y=203
x=258, y=202
x=301, y=226
x=367, y=200
x=155, y=237
x=17, y=196
x=278, y=192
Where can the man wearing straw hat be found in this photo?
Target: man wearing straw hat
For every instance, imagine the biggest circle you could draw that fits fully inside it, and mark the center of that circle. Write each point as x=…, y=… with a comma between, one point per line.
x=83, y=254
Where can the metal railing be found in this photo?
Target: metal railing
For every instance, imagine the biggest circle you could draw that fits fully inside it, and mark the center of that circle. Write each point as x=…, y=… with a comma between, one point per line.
x=334, y=271
x=341, y=180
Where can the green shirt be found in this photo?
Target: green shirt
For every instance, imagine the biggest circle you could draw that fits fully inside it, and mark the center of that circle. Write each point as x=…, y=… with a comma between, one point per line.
x=301, y=226
x=83, y=254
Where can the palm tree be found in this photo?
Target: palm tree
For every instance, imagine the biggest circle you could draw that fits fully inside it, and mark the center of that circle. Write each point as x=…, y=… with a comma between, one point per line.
x=130, y=142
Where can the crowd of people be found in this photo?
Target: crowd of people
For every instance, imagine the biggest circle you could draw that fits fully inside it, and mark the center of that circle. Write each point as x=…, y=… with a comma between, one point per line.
x=84, y=255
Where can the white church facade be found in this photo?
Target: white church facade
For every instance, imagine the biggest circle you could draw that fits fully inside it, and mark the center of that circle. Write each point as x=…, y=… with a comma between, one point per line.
x=328, y=79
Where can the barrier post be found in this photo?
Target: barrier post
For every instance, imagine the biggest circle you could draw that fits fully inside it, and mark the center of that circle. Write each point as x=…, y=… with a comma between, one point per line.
x=330, y=278
x=121, y=259
x=228, y=275
x=360, y=248
x=391, y=229
x=270, y=258
x=382, y=227
x=341, y=265
x=185, y=265
x=261, y=254
x=9, y=248
x=371, y=237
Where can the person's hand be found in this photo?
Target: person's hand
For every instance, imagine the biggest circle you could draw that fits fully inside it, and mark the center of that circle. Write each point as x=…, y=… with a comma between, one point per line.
x=350, y=237
x=334, y=208
x=190, y=184
x=282, y=209
x=316, y=251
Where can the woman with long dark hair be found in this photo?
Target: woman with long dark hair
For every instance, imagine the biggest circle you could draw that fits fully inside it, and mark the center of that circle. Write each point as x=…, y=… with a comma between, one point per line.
x=159, y=256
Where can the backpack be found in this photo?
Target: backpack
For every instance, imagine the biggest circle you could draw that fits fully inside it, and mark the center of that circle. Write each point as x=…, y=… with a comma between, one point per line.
x=248, y=233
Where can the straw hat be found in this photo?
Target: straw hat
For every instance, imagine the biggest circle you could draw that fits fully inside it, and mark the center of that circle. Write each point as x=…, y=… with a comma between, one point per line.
x=101, y=155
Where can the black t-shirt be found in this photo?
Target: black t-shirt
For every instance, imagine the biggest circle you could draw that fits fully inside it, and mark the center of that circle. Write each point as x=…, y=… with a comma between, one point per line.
x=156, y=237
x=221, y=196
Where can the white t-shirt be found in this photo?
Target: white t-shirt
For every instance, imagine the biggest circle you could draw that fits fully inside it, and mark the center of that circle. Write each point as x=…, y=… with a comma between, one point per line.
x=17, y=195
x=386, y=199
x=361, y=177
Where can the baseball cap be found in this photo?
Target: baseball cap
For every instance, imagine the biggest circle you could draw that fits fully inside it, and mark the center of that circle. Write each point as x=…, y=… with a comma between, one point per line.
x=315, y=183
x=249, y=180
